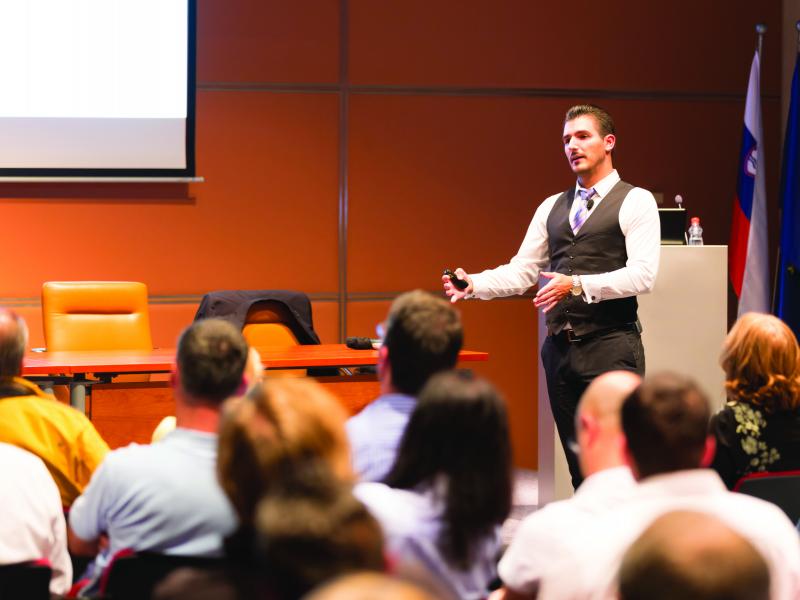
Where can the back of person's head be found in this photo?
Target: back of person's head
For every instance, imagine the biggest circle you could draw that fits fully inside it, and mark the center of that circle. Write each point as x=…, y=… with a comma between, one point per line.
x=605, y=124
x=211, y=357
x=270, y=432
x=598, y=429
x=423, y=337
x=13, y=340
x=761, y=361
x=665, y=422
x=458, y=436
x=692, y=556
x=311, y=529
x=369, y=586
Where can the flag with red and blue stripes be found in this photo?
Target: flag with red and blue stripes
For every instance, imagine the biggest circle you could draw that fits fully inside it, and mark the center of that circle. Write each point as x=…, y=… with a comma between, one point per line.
x=748, y=260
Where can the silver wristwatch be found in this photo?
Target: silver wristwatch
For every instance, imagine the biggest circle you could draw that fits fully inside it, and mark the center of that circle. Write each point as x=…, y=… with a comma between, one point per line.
x=577, y=289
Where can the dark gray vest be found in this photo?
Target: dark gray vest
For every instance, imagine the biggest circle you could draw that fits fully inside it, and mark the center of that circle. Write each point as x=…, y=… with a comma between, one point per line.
x=599, y=247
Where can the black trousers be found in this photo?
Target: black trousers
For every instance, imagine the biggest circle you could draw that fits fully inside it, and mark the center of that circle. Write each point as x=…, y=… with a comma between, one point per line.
x=571, y=366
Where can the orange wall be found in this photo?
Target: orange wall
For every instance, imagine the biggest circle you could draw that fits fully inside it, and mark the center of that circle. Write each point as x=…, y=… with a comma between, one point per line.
x=425, y=133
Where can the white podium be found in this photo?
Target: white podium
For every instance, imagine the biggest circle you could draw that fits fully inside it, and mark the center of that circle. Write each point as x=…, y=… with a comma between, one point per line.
x=684, y=323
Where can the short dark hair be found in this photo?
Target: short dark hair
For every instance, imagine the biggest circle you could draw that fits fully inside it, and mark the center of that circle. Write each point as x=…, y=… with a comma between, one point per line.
x=605, y=124
x=686, y=554
x=211, y=357
x=13, y=340
x=665, y=421
x=311, y=528
x=459, y=429
x=423, y=337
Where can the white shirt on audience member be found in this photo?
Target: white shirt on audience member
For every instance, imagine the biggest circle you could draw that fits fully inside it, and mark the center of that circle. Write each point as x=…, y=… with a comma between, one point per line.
x=411, y=522
x=590, y=571
x=32, y=526
x=543, y=537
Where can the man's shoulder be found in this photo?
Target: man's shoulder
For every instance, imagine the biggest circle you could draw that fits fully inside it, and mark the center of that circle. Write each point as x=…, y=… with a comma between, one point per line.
x=386, y=409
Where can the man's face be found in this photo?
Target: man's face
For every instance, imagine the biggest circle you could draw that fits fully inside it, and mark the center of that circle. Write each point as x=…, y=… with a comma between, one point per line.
x=587, y=151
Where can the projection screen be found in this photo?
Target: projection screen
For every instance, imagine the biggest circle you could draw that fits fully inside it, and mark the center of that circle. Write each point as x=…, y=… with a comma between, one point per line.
x=97, y=88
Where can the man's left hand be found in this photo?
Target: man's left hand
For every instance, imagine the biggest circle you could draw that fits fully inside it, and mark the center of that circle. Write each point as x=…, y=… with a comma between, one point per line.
x=555, y=290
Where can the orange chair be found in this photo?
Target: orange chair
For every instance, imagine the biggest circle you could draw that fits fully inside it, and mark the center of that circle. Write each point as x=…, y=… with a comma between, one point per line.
x=95, y=315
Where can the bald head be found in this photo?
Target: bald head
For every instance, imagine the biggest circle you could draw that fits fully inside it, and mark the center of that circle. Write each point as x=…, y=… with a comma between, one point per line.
x=597, y=421
x=692, y=555
x=13, y=339
x=605, y=395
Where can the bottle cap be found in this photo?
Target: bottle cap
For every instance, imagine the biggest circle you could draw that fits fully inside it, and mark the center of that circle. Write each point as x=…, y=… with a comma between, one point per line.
x=695, y=220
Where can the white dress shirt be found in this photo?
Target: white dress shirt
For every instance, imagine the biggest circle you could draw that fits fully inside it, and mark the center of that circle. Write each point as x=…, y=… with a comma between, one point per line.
x=638, y=220
x=543, y=537
x=589, y=571
x=32, y=526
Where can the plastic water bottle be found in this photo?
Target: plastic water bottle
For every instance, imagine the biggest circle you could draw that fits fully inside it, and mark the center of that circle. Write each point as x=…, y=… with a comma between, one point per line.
x=695, y=232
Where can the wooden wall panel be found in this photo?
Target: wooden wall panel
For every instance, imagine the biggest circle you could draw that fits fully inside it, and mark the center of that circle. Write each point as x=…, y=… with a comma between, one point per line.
x=265, y=218
x=441, y=182
x=507, y=330
x=247, y=41
x=676, y=46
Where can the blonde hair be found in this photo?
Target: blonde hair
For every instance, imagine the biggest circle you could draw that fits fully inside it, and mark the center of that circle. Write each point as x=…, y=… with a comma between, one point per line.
x=761, y=361
x=274, y=430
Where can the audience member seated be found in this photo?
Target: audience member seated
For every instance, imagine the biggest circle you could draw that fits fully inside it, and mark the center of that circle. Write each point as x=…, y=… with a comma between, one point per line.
x=450, y=487
x=165, y=497
x=61, y=436
x=692, y=556
x=369, y=586
x=253, y=372
x=32, y=526
x=264, y=436
x=423, y=337
x=310, y=528
x=665, y=422
x=270, y=440
x=539, y=542
x=759, y=429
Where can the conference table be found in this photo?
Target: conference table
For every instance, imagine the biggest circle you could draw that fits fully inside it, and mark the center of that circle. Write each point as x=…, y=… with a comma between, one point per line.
x=126, y=411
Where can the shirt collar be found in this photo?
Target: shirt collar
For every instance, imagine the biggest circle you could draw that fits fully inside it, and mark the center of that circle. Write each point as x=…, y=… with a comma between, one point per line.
x=603, y=186
x=679, y=483
x=616, y=476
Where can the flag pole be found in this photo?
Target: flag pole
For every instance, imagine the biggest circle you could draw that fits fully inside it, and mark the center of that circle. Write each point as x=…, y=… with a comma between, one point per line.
x=761, y=29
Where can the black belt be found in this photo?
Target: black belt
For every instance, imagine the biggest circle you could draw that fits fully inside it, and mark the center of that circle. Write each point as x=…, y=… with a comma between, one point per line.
x=570, y=336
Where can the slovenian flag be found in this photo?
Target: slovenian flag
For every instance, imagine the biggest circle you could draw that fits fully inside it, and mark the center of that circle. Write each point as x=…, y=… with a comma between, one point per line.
x=749, y=267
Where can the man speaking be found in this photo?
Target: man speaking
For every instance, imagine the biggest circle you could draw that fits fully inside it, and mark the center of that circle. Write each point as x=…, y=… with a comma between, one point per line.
x=600, y=243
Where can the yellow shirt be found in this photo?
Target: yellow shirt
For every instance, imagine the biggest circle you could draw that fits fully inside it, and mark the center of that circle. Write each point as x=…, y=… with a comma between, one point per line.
x=64, y=438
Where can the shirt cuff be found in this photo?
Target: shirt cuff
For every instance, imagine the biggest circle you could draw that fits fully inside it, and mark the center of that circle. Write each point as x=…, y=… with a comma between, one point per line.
x=591, y=290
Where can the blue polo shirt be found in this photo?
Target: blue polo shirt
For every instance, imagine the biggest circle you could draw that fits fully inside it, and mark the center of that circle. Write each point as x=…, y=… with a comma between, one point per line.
x=162, y=497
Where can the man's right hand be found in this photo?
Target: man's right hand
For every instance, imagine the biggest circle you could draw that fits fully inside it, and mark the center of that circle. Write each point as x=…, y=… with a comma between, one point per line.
x=452, y=291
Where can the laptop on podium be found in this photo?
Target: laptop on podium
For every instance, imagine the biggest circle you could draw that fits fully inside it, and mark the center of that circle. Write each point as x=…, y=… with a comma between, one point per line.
x=673, y=226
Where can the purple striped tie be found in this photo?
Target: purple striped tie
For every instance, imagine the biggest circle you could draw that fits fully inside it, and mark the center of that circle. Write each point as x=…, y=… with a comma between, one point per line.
x=580, y=215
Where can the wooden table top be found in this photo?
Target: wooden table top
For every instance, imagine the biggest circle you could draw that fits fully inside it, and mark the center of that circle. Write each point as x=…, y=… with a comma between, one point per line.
x=162, y=359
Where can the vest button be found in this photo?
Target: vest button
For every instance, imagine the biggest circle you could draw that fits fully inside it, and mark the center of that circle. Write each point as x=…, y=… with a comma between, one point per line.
x=572, y=243
x=570, y=269
x=571, y=257
x=566, y=311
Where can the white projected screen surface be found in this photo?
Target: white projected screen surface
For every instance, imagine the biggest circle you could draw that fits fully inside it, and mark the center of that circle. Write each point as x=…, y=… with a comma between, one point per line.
x=93, y=84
